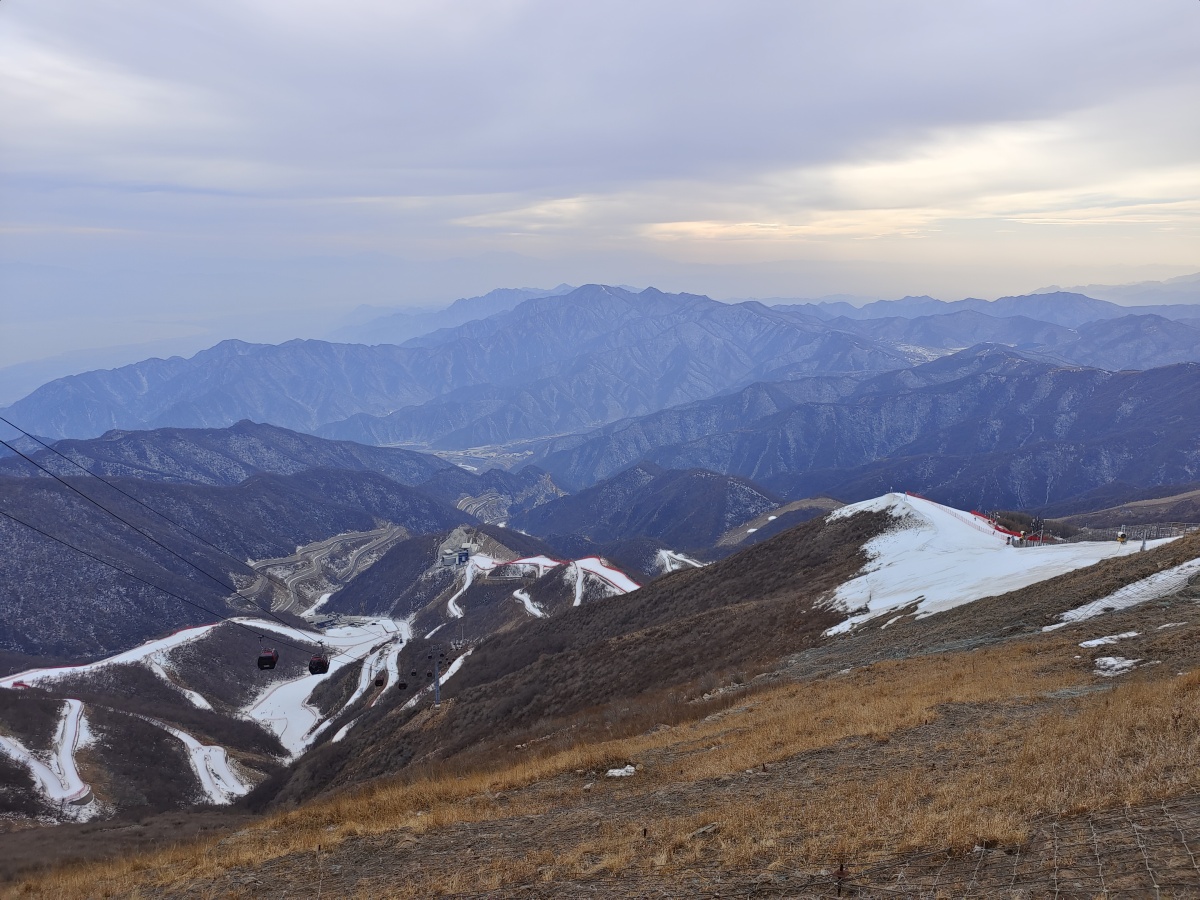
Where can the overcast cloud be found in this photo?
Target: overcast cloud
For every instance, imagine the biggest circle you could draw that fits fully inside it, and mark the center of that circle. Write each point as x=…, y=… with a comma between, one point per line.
x=267, y=165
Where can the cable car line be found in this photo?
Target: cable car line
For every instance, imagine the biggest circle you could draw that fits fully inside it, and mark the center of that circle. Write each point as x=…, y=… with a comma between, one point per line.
x=226, y=619
x=144, y=581
x=323, y=654
x=118, y=489
x=229, y=587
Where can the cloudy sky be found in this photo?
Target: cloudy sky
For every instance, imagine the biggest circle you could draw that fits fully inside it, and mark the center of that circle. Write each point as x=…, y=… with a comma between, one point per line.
x=260, y=167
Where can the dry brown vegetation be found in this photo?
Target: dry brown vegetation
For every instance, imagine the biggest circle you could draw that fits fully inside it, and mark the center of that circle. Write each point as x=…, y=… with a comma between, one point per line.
x=943, y=751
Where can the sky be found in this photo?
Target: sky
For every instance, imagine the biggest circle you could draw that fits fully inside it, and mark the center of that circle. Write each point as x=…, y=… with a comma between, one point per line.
x=257, y=168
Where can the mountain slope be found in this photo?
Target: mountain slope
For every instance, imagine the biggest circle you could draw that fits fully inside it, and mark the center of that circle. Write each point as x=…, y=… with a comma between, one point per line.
x=65, y=606
x=686, y=510
x=398, y=327
x=550, y=365
x=991, y=402
x=224, y=456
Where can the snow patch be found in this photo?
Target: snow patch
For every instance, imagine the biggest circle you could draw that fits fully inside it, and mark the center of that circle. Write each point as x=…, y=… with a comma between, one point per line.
x=623, y=772
x=1109, y=639
x=311, y=612
x=1109, y=666
x=137, y=654
x=670, y=561
x=156, y=666
x=936, y=558
x=477, y=563
x=446, y=676
x=55, y=773
x=530, y=607
x=1157, y=585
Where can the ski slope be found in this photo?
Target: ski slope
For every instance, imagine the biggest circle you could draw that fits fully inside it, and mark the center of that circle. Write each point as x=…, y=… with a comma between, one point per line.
x=284, y=708
x=669, y=561
x=530, y=607
x=136, y=655
x=477, y=563
x=158, y=665
x=220, y=783
x=56, y=774
x=936, y=558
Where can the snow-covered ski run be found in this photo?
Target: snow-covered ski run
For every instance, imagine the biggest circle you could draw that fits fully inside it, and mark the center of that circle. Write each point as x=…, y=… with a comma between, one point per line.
x=530, y=607
x=56, y=774
x=935, y=558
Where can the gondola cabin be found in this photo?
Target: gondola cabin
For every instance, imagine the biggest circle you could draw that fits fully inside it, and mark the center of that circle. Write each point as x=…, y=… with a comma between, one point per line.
x=379, y=679
x=319, y=664
x=267, y=658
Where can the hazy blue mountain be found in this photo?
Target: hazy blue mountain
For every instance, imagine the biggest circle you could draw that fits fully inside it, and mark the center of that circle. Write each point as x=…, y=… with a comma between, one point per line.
x=1144, y=295
x=222, y=455
x=687, y=510
x=396, y=327
x=959, y=330
x=983, y=401
x=1133, y=342
x=1063, y=308
x=550, y=365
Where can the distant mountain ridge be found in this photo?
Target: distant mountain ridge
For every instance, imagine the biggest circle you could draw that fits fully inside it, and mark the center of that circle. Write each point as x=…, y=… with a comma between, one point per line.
x=685, y=510
x=399, y=326
x=222, y=455
x=983, y=410
x=550, y=365
x=1064, y=308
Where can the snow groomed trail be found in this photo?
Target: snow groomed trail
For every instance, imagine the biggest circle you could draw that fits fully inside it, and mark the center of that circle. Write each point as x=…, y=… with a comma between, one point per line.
x=530, y=607
x=477, y=563
x=936, y=558
x=284, y=708
x=57, y=776
x=220, y=783
x=137, y=654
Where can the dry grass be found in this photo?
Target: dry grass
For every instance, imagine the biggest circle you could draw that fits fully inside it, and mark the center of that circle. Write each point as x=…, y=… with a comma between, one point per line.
x=1025, y=757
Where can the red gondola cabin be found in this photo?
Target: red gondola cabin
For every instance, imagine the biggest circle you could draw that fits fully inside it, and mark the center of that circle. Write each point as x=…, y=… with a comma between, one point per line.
x=318, y=665
x=267, y=658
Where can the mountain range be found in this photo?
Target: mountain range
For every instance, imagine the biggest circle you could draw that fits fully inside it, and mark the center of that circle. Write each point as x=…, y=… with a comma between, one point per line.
x=566, y=363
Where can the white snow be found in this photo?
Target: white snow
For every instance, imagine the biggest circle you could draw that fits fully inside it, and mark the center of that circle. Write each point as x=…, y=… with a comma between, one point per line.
x=623, y=772
x=284, y=707
x=137, y=654
x=1157, y=585
x=1108, y=666
x=541, y=564
x=938, y=558
x=211, y=764
x=751, y=530
x=670, y=561
x=56, y=773
x=1108, y=639
x=772, y=518
x=450, y=670
x=343, y=731
x=321, y=601
x=435, y=631
x=155, y=663
x=477, y=563
x=530, y=607
x=574, y=567
x=613, y=577
x=1171, y=625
